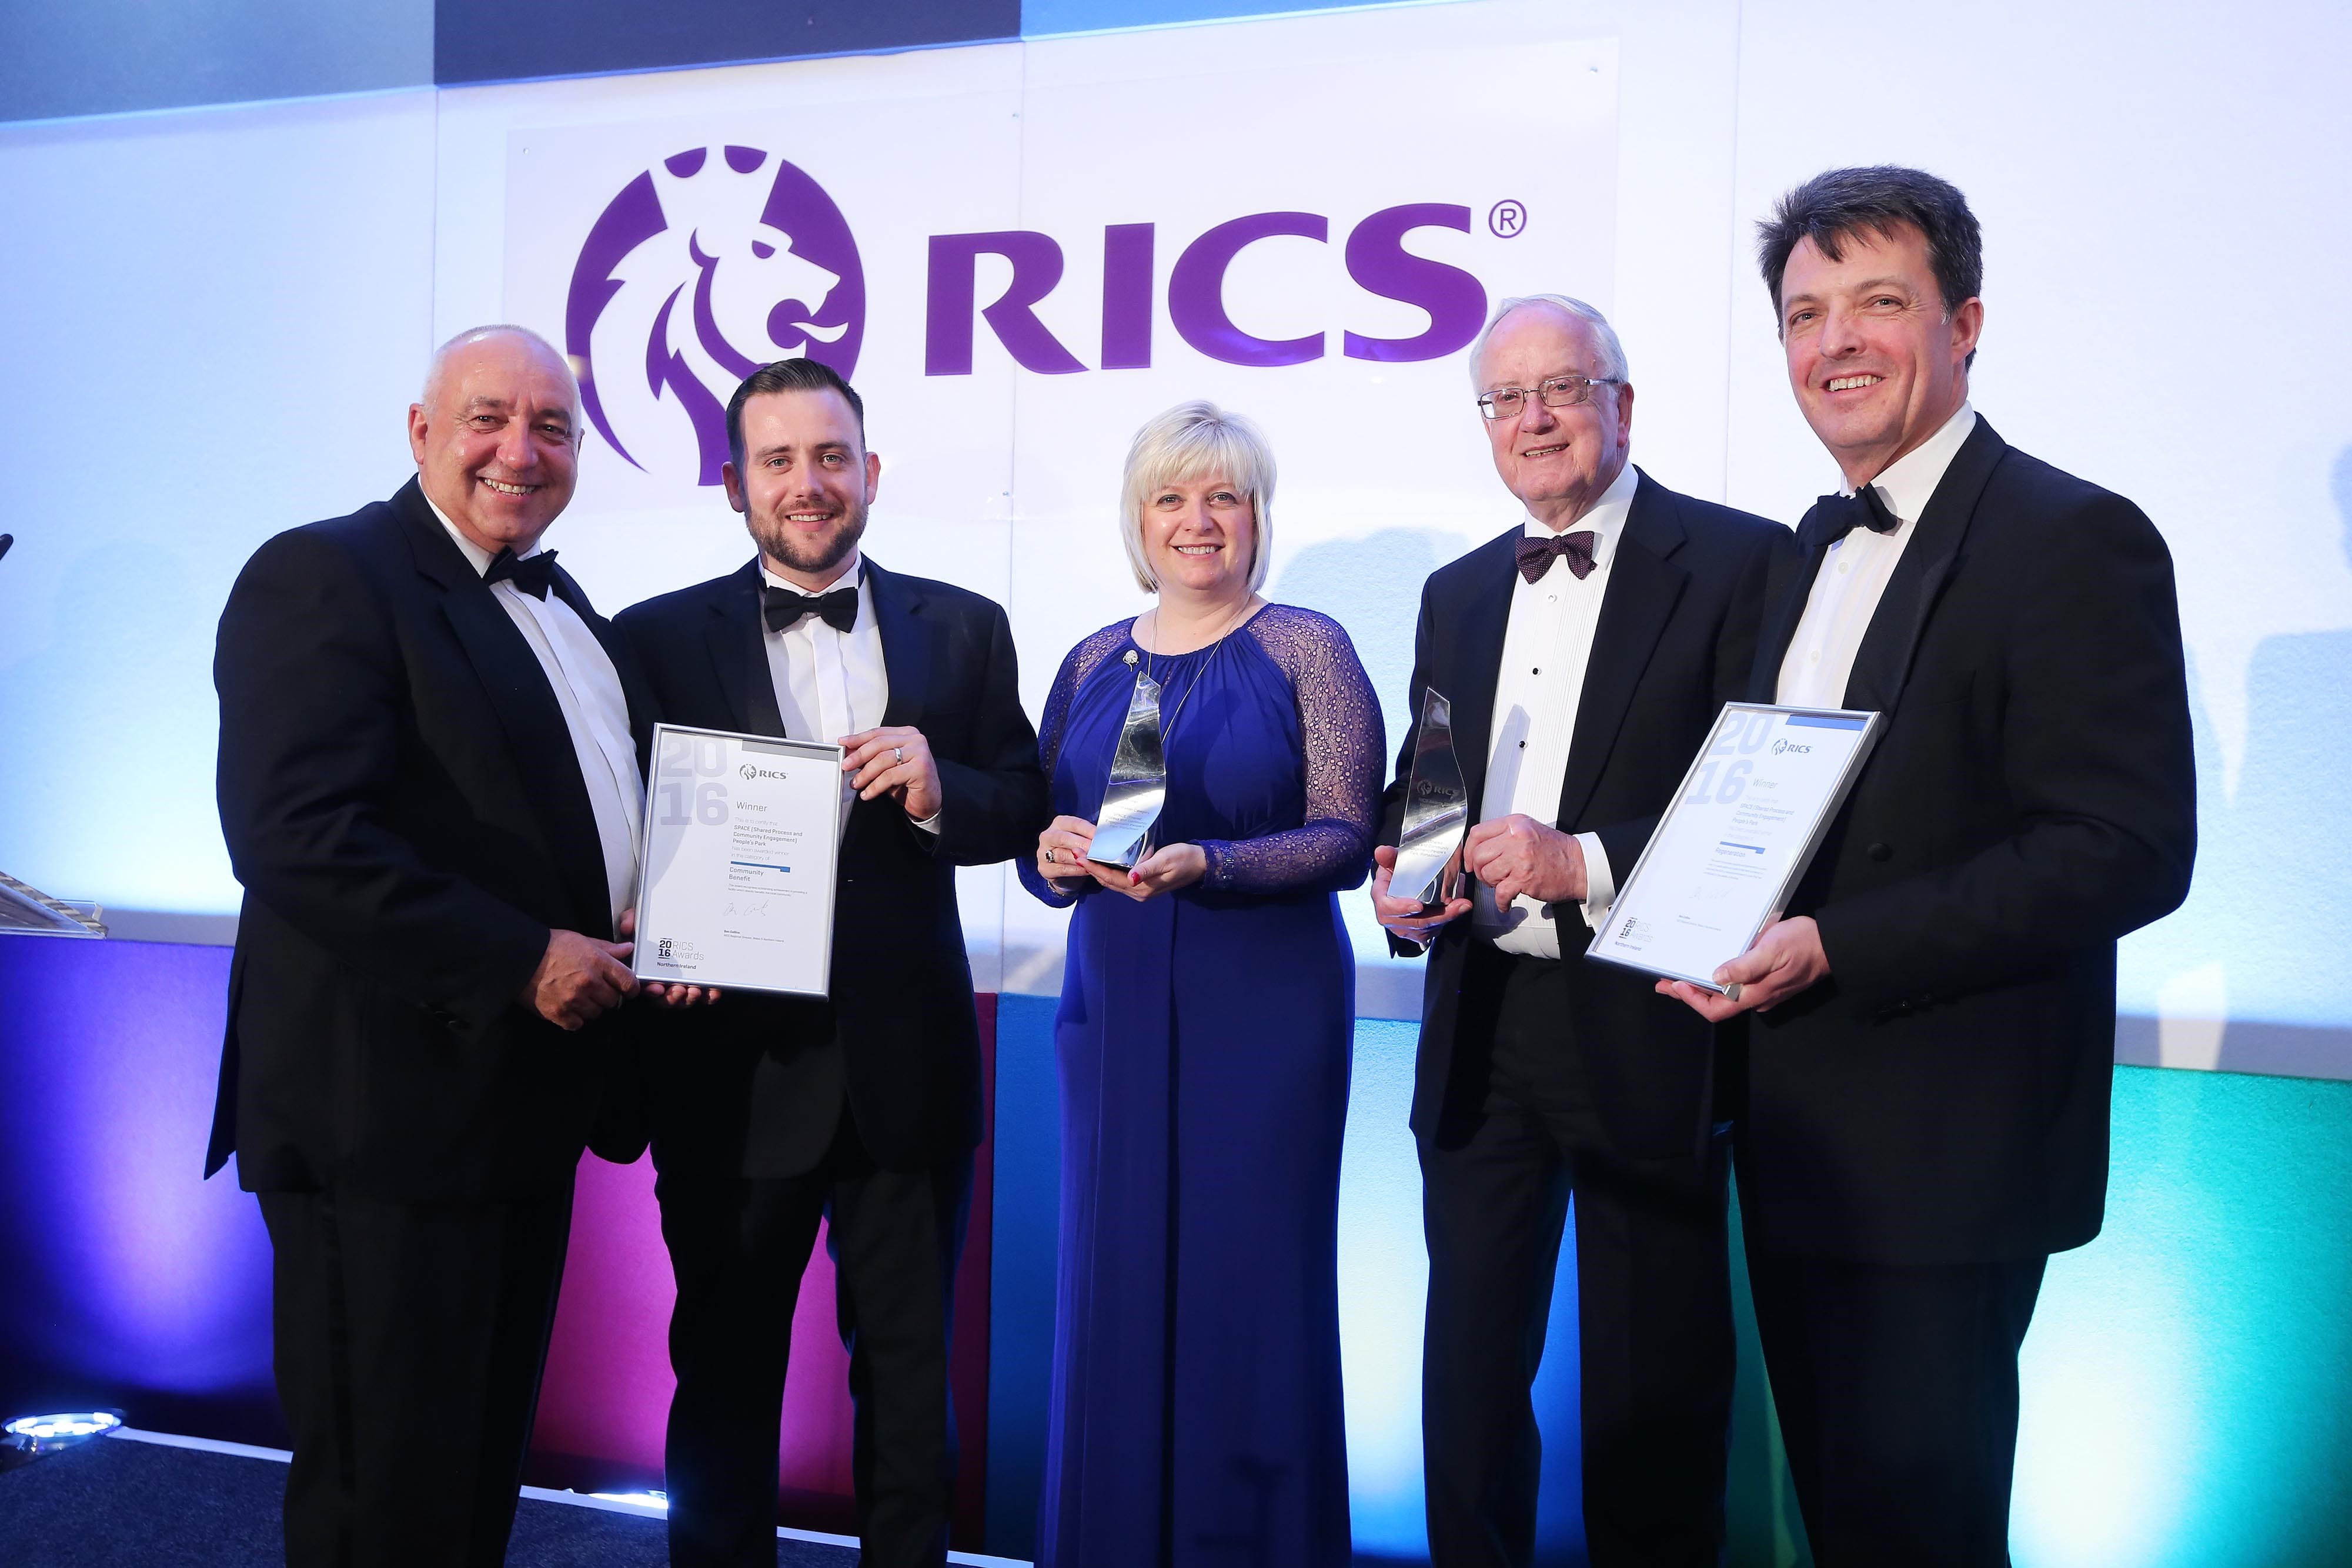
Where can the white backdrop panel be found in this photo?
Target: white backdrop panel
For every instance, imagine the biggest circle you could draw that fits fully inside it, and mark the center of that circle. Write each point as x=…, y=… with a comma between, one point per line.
x=903, y=146
x=2157, y=199
x=1384, y=472
x=2163, y=206
x=217, y=321
x=1001, y=449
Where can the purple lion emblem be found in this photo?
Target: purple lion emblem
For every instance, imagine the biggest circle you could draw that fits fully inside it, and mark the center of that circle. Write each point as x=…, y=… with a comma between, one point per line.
x=702, y=269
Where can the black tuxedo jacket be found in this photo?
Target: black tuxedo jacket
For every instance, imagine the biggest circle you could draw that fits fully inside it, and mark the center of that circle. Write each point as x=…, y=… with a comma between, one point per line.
x=402, y=803
x=754, y=1084
x=1675, y=640
x=1942, y=1096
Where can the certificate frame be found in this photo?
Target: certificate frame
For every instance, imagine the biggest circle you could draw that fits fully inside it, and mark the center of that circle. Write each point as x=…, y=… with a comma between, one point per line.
x=1865, y=725
x=701, y=951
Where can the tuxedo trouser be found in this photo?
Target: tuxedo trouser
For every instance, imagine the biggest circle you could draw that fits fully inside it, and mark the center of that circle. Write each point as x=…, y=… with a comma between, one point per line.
x=1897, y=1388
x=1653, y=1303
x=738, y=1246
x=410, y=1340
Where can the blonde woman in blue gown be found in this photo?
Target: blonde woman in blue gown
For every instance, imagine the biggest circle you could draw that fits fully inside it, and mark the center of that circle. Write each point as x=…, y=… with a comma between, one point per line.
x=1204, y=1042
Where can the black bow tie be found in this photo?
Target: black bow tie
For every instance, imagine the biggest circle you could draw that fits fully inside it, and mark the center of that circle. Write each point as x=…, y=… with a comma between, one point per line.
x=1834, y=516
x=530, y=574
x=1535, y=555
x=783, y=606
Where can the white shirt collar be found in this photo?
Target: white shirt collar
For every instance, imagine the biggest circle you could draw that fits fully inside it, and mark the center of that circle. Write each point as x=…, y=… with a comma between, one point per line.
x=475, y=553
x=852, y=575
x=1606, y=517
x=1911, y=480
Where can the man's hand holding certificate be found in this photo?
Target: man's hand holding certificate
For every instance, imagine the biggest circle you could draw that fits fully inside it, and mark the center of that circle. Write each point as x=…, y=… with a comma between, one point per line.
x=1702, y=907
x=1787, y=957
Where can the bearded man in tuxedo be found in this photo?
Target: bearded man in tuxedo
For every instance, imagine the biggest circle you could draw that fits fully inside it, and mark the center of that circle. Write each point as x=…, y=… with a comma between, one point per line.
x=861, y=1108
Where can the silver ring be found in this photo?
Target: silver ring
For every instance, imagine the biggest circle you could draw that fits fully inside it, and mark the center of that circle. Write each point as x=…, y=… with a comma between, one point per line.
x=898, y=752
x=1049, y=854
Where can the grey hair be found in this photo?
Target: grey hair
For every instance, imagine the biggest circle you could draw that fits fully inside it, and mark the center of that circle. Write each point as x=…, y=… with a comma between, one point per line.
x=1612, y=352
x=439, y=363
x=1190, y=442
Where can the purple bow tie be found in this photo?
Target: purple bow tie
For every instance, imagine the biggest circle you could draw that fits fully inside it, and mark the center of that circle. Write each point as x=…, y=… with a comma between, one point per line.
x=1535, y=555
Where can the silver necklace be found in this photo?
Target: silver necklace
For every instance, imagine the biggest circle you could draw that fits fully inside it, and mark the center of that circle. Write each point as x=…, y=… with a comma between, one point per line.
x=1216, y=647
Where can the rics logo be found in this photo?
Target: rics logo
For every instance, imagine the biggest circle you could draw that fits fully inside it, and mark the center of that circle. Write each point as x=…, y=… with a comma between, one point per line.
x=705, y=268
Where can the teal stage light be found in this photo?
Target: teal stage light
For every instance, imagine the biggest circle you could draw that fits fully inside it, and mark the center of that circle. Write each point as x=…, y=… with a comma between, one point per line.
x=2186, y=1383
x=2188, y=1379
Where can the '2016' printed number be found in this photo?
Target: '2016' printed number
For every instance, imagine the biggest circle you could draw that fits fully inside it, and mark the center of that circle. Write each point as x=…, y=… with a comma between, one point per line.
x=708, y=758
x=1739, y=733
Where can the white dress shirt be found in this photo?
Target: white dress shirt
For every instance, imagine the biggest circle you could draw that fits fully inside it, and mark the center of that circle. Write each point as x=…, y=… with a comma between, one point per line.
x=1854, y=572
x=831, y=684
x=1545, y=648
x=588, y=689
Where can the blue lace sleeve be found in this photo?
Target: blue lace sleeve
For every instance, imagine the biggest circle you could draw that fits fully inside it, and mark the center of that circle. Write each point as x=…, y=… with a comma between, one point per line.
x=1076, y=667
x=1346, y=746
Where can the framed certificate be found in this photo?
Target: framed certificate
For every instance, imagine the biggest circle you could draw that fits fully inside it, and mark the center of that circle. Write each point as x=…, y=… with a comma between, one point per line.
x=742, y=833
x=1742, y=829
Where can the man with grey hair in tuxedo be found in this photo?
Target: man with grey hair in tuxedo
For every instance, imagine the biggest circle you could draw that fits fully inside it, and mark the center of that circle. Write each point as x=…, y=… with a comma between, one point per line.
x=1585, y=652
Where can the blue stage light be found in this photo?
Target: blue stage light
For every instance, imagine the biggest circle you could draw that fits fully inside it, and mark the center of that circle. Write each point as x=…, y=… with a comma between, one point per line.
x=653, y=1499
x=28, y=1436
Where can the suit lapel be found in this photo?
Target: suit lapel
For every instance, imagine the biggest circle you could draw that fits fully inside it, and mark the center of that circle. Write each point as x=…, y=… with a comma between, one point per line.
x=634, y=690
x=1479, y=619
x=912, y=650
x=1784, y=610
x=1883, y=664
x=539, y=741
x=739, y=654
x=910, y=645
x=1644, y=587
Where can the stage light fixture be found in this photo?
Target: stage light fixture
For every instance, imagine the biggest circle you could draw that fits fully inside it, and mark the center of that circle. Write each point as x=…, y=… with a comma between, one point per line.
x=55, y=1431
x=28, y=1438
x=635, y=1498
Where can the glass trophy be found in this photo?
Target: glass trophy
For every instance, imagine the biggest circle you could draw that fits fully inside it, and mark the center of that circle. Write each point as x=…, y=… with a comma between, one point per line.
x=1138, y=783
x=1436, y=809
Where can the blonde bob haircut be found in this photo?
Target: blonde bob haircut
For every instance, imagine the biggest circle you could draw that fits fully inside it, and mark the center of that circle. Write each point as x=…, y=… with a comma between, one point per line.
x=1190, y=442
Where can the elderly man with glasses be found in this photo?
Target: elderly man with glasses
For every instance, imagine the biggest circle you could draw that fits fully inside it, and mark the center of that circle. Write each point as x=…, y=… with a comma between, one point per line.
x=1585, y=654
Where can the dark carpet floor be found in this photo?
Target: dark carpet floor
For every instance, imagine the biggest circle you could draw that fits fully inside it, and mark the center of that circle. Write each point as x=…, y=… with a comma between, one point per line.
x=114, y=1502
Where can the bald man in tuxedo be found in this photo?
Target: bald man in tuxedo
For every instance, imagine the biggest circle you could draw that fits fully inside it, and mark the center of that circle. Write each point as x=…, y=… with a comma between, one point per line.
x=429, y=791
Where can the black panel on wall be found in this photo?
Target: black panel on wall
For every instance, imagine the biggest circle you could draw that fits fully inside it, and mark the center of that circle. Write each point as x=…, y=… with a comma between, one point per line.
x=475, y=43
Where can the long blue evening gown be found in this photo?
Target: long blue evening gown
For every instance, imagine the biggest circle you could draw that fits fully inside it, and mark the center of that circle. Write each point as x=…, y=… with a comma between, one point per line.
x=1203, y=1041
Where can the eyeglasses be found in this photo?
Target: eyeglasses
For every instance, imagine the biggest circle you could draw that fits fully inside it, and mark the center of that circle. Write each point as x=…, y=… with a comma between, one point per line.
x=1557, y=391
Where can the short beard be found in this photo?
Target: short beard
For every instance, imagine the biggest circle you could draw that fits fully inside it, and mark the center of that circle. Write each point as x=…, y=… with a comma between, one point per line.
x=796, y=551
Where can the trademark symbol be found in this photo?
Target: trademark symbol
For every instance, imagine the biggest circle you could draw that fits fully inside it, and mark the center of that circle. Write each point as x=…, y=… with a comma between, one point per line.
x=1504, y=219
